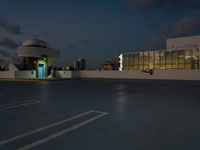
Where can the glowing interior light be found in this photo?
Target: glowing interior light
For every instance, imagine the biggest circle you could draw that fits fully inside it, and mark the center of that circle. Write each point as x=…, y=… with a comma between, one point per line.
x=120, y=62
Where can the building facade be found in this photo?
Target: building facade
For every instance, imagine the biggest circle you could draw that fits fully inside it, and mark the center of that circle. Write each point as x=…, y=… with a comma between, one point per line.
x=37, y=56
x=80, y=64
x=179, y=56
x=113, y=64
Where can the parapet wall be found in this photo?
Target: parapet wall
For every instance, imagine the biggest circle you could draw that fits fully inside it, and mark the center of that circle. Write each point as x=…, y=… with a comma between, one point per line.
x=138, y=74
x=7, y=74
x=29, y=74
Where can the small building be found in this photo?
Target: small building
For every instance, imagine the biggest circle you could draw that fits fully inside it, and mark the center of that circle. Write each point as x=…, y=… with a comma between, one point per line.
x=37, y=56
x=80, y=64
x=181, y=53
x=110, y=65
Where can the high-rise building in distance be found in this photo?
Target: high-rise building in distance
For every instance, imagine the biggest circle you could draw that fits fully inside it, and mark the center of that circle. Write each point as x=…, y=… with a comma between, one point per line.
x=80, y=64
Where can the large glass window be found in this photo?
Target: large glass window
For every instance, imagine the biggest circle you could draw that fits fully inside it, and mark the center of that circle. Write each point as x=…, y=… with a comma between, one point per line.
x=141, y=61
x=175, y=59
x=168, y=59
x=131, y=59
x=157, y=60
x=162, y=60
x=151, y=60
x=188, y=59
x=125, y=62
x=146, y=60
x=181, y=59
x=136, y=61
x=195, y=59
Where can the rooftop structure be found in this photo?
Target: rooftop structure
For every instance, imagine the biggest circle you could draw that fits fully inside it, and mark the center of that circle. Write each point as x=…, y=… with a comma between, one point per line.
x=80, y=64
x=183, y=42
x=37, y=56
x=181, y=53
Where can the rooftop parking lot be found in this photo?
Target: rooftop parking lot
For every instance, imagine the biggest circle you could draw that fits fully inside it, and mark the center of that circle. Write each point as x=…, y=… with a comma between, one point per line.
x=100, y=114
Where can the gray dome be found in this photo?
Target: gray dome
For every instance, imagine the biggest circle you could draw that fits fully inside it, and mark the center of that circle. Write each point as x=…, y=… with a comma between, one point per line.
x=36, y=48
x=34, y=42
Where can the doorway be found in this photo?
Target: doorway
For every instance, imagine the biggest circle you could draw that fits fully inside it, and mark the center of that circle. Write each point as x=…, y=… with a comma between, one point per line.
x=41, y=70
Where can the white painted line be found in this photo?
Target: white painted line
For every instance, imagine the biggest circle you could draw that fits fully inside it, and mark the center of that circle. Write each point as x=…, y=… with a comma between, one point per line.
x=95, y=111
x=3, y=142
x=60, y=133
x=20, y=104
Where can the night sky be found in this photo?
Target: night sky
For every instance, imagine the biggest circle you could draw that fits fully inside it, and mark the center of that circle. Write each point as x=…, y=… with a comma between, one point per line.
x=97, y=30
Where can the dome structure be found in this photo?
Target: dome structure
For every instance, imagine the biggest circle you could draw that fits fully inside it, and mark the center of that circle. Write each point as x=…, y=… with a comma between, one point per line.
x=36, y=48
x=34, y=42
x=37, y=56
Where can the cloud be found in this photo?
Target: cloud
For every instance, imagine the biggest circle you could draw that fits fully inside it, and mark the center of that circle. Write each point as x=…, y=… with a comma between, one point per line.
x=185, y=26
x=168, y=6
x=71, y=48
x=2, y=61
x=157, y=42
x=6, y=57
x=11, y=58
x=6, y=42
x=146, y=4
x=74, y=48
x=14, y=58
x=85, y=41
x=10, y=28
x=45, y=33
x=4, y=54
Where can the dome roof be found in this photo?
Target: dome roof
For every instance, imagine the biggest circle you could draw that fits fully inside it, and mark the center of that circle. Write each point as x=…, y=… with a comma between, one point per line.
x=36, y=48
x=34, y=42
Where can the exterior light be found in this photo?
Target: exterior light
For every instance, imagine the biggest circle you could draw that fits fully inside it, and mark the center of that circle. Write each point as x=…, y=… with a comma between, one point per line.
x=120, y=62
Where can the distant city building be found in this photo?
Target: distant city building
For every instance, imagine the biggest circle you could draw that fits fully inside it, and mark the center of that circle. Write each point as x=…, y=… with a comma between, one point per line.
x=37, y=56
x=181, y=53
x=76, y=65
x=80, y=64
x=110, y=65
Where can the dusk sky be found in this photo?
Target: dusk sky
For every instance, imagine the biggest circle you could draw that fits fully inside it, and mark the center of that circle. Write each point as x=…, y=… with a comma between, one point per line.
x=97, y=30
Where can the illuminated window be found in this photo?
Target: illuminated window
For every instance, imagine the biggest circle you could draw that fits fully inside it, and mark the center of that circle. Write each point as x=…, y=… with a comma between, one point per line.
x=157, y=60
x=175, y=59
x=162, y=60
x=168, y=59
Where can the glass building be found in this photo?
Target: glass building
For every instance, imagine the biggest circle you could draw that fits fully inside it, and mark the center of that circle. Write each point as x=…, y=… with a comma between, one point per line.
x=183, y=58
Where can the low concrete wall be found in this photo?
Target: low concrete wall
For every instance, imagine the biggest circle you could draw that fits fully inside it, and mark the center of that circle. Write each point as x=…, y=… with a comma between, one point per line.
x=30, y=74
x=138, y=74
x=7, y=74
x=64, y=74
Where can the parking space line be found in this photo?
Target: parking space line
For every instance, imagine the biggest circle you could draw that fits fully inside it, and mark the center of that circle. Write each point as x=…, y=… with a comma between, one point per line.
x=60, y=133
x=3, y=142
x=95, y=111
x=18, y=104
